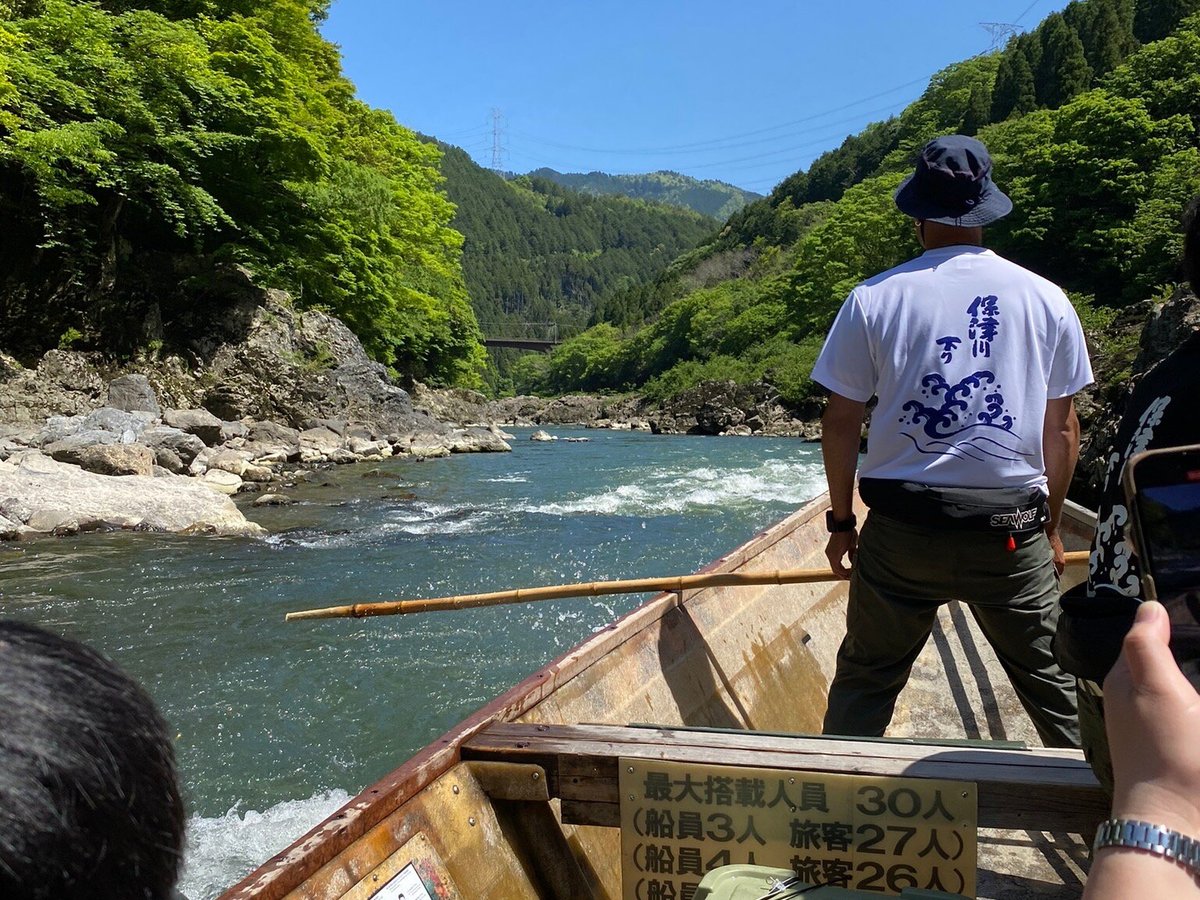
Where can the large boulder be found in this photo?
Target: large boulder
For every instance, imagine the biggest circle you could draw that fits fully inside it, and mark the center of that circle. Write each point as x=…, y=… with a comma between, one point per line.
x=476, y=440
x=200, y=422
x=101, y=426
x=185, y=445
x=57, y=497
x=133, y=393
x=110, y=459
x=64, y=383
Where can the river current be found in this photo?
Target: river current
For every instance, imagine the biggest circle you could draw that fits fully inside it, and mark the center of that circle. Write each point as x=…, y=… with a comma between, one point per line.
x=278, y=724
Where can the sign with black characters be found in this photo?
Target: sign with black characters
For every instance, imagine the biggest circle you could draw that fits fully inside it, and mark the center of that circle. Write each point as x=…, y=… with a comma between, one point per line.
x=680, y=821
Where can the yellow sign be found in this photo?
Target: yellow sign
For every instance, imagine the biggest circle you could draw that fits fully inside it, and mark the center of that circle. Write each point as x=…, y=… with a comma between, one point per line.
x=881, y=834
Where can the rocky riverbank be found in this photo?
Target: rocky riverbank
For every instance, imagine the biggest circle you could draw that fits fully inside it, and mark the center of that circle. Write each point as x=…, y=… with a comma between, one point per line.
x=254, y=399
x=722, y=408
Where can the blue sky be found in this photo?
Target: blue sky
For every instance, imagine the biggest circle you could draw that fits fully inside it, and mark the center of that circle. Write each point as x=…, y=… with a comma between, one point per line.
x=745, y=93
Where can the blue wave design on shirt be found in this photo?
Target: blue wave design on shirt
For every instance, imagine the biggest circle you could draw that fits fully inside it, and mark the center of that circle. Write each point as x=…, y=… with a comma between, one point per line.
x=943, y=426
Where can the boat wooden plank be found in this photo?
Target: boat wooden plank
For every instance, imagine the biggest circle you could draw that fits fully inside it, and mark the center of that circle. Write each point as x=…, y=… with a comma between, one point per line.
x=1054, y=790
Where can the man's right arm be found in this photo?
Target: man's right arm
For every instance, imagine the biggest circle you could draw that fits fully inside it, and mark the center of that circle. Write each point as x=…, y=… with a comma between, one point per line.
x=841, y=434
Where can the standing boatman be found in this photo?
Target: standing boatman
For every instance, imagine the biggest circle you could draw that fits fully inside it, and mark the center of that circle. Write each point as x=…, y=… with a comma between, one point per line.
x=974, y=361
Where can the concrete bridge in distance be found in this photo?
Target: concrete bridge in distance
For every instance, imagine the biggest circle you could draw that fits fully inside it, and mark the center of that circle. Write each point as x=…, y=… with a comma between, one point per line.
x=539, y=336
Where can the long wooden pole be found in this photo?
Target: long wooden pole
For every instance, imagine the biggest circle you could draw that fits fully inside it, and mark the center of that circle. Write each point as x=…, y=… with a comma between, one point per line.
x=585, y=589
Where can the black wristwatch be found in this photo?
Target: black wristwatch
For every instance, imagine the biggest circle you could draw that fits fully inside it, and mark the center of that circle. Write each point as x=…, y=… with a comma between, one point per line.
x=836, y=525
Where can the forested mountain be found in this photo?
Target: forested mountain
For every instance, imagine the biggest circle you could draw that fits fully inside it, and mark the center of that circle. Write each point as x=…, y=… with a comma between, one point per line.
x=534, y=251
x=709, y=198
x=1092, y=123
x=144, y=141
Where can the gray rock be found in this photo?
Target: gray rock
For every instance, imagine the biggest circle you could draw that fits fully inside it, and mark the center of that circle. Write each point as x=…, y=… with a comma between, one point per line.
x=475, y=440
x=276, y=436
x=221, y=481
x=119, y=426
x=133, y=393
x=540, y=435
x=231, y=431
x=167, y=459
x=199, y=422
x=110, y=459
x=273, y=500
x=185, y=445
x=76, y=442
x=62, y=497
x=427, y=446
x=322, y=440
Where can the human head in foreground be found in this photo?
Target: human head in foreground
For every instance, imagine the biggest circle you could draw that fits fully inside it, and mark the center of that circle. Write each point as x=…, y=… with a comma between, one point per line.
x=89, y=798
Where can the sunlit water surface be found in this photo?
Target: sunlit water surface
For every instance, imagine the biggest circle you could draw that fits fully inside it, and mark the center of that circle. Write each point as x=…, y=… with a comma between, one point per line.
x=277, y=725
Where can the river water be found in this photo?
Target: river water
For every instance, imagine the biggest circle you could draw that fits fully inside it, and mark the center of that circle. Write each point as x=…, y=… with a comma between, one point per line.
x=278, y=724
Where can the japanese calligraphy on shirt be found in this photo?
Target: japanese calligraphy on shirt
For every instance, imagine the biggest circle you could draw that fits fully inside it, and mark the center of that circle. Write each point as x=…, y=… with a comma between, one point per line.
x=680, y=821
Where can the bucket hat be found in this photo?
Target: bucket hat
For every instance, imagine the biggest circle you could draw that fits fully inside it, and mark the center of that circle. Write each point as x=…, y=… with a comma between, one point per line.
x=953, y=185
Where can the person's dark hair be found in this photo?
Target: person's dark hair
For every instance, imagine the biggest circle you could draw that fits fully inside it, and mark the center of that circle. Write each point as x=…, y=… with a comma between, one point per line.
x=1191, y=244
x=89, y=798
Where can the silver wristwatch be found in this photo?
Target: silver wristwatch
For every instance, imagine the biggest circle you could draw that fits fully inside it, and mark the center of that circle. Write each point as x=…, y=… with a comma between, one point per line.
x=1156, y=839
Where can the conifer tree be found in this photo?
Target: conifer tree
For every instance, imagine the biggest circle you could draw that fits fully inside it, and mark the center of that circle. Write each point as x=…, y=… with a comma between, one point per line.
x=1106, y=29
x=1155, y=19
x=1063, y=70
x=978, y=112
x=1014, y=91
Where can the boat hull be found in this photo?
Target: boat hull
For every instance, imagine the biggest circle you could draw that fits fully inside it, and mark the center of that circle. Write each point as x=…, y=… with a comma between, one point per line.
x=757, y=658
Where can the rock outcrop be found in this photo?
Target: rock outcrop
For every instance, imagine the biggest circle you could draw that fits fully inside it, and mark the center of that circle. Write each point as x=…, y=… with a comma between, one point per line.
x=39, y=495
x=242, y=397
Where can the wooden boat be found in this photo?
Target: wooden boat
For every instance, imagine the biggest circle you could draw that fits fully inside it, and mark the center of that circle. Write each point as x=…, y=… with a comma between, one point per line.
x=521, y=798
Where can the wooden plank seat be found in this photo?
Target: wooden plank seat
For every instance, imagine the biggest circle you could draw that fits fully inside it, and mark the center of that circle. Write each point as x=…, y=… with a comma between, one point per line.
x=1029, y=789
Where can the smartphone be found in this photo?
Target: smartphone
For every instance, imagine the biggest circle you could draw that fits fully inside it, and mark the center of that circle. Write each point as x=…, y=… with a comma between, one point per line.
x=1162, y=493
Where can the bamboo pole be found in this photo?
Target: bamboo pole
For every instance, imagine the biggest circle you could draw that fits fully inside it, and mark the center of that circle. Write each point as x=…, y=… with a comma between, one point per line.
x=585, y=589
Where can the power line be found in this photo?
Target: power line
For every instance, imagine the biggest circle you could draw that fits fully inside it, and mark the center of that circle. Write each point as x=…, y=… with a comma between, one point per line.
x=1028, y=9
x=678, y=147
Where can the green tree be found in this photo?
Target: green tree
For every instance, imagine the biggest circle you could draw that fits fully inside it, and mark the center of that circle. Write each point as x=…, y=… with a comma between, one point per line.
x=1155, y=19
x=1014, y=93
x=978, y=110
x=1063, y=70
x=1105, y=29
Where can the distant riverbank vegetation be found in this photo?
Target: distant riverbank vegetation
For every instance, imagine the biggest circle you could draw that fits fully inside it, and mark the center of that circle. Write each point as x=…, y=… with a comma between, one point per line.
x=1092, y=120
x=144, y=141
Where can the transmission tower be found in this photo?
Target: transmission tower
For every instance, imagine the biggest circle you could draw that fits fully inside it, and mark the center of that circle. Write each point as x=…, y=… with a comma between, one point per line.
x=1000, y=32
x=497, y=140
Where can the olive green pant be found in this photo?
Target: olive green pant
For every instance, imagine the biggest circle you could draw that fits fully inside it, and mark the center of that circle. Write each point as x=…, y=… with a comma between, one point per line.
x=902, y=574
x=1095, y=740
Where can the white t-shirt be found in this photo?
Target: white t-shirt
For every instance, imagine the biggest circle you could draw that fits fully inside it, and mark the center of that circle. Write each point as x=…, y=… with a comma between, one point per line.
x=963, y=349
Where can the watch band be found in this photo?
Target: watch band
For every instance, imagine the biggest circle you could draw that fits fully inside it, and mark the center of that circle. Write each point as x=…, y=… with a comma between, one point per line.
x=834, y=526
x=1157, y=839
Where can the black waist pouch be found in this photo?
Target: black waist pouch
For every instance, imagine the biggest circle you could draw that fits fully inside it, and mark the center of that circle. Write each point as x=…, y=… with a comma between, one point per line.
x=996, y=510
x=1090, y=631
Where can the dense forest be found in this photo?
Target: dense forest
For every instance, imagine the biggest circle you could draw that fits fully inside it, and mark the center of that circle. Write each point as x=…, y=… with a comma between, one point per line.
x=708, y=197
x=534, y=251
x=143, y=143
x=1092, y=120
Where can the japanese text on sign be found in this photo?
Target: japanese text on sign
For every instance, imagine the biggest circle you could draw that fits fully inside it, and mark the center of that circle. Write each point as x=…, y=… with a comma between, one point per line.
x=680, y=821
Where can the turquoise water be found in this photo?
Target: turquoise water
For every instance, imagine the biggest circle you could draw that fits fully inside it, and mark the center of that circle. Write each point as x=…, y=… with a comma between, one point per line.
x=277, y=723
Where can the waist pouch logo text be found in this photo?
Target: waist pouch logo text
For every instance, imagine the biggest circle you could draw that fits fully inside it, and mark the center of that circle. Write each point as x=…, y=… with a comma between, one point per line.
x=1022, y=518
